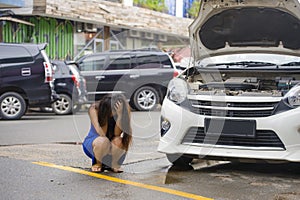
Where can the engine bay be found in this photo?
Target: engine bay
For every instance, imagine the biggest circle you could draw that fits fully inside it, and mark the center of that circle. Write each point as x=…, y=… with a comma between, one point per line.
x=242, y=83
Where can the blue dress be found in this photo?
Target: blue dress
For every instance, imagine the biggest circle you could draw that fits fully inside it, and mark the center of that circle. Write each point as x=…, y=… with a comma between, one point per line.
x=87, y=144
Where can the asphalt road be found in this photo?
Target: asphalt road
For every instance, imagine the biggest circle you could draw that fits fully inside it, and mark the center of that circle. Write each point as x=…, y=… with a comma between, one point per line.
x=41, y=158
x=40, y=128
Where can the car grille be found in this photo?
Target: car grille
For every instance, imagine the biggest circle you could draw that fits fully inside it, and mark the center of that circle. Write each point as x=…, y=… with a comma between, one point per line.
x=233, y=109
x=263, y=138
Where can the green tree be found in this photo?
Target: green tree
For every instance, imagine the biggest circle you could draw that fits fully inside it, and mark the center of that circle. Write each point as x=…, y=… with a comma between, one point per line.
x=194, y=10
x=157, y=5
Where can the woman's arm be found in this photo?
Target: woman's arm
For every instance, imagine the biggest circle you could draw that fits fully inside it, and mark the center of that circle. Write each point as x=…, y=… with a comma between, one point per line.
x=118, y=128
x=94, y=120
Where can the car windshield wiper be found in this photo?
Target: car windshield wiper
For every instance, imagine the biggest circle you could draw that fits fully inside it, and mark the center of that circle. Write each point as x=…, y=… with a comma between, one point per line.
x=242, y=64
x=291, y=64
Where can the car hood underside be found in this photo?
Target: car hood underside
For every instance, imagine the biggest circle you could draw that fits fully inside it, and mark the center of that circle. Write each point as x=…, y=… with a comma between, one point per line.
x=230, y=26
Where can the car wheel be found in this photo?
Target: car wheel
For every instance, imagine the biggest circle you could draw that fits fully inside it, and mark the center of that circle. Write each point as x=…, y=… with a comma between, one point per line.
x=63, y=106
x=145, y=98
x=12, y=106
x=179, y=160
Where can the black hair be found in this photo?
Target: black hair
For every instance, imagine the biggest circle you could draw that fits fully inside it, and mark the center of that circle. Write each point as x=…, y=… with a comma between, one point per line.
x=105, y=109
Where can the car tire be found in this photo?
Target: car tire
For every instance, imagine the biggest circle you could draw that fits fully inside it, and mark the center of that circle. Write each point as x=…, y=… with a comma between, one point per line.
x=12, y=106
x=63, y=106
x=179, y=160
x=145, y=98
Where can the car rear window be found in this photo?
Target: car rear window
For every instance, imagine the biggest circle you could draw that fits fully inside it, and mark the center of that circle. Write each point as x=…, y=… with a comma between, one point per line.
x=166, y=61
x=13, y=54
x=62, y=69
x=147, y=61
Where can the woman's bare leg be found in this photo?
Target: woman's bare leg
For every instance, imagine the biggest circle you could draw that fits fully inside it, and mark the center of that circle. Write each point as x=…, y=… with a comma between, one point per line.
x=117, y=151
x=101, y=147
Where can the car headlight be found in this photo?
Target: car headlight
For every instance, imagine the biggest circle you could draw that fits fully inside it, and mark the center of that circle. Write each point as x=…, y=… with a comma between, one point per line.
x=293, y=97
x=177, y=90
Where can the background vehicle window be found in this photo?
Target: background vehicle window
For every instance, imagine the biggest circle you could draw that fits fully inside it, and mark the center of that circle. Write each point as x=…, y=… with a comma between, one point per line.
x=165, y=61
x=61, y=69
x=57, y=71
x=11, y=54
x=92, y=63
x=148, y=61
x=119, y=62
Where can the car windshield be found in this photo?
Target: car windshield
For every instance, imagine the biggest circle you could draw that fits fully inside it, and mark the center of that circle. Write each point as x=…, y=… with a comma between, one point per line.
x=250, y=61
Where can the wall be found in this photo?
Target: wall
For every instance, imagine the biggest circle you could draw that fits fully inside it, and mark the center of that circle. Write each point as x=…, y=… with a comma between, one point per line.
x=117, y=15
x=57, y=33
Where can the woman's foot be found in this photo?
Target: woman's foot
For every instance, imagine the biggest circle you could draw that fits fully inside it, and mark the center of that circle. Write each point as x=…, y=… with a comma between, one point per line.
x=96, y=168
x=116, y=170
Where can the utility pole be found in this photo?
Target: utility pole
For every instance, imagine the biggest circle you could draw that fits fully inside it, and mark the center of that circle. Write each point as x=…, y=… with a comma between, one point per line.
x=106, y=38
x=1, y=31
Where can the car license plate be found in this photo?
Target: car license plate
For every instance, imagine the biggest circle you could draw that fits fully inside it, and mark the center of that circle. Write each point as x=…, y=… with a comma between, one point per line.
x=230, y=128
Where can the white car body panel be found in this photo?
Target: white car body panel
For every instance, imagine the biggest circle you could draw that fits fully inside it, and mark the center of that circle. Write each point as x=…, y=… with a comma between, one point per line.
x=286, y=125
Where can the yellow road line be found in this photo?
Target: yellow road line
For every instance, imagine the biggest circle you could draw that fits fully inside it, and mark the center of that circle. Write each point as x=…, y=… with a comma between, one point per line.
x=127, y=182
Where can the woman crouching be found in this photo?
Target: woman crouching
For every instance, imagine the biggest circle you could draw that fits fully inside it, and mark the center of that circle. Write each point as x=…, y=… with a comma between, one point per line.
x=110, y=134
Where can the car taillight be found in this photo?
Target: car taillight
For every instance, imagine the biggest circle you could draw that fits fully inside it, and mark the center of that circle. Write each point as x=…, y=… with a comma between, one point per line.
x=48, y=72
x=76, y=81
x=175, y=73
x=48, y=79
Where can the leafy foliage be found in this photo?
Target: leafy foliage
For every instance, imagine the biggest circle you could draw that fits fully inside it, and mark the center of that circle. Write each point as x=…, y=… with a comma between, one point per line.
x=156, y=5
x=194, y=10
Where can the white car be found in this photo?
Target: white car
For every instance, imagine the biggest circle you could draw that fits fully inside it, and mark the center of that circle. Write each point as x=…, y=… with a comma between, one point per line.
x=241, y=100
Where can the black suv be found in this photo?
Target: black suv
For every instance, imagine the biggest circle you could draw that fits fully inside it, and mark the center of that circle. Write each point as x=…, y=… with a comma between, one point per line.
x=26, y=79
x=141, y=75
x=70, y=86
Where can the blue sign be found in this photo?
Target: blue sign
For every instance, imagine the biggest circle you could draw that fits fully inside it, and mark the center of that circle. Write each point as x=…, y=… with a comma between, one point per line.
x=171, y=5
x=187, y=4
x=12, y=3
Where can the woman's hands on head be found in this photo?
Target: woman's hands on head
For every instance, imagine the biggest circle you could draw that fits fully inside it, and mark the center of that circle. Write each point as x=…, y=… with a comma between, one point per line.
x=118, y=107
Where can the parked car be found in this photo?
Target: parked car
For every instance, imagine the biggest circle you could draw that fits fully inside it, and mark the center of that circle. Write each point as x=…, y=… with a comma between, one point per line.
x=141, y=75
x=70, y=85
x=241, y=100
x=26, y=79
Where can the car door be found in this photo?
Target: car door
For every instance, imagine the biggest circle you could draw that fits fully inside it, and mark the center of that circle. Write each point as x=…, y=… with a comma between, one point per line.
x=149, y=66
x=154, y=69
x=116, y=78
x=93, y=68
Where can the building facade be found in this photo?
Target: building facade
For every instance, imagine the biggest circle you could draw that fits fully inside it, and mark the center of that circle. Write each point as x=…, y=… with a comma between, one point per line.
x=73, y=28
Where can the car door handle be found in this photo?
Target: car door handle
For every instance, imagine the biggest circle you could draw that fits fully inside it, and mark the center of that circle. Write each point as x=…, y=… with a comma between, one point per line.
x=134, y=76
x=26, y=71
x=99, y=77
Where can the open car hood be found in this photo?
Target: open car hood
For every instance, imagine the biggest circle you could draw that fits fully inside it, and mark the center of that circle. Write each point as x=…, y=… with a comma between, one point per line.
x=246, y=26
